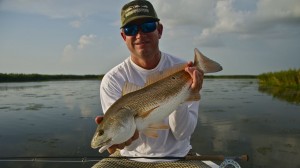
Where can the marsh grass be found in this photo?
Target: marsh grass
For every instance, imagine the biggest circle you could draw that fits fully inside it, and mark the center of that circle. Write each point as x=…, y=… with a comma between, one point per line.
x=286, y=79
x=16, y=77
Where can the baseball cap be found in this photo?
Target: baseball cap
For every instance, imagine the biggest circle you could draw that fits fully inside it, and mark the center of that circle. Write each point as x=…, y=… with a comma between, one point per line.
x=137, y=9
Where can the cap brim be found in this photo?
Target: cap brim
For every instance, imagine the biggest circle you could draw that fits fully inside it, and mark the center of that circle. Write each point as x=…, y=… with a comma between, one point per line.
x=139, y=17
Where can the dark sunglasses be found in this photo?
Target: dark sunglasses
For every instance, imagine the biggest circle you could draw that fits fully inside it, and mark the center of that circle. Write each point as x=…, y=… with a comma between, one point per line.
x=132, y=30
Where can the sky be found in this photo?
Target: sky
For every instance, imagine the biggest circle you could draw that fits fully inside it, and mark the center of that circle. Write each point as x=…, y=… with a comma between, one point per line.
x=247, y=37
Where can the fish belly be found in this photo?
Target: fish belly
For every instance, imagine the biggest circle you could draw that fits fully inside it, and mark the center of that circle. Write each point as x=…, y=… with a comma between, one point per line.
x=163, y=110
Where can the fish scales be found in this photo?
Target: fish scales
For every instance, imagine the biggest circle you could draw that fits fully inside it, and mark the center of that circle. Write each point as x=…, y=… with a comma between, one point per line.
x=156, y=94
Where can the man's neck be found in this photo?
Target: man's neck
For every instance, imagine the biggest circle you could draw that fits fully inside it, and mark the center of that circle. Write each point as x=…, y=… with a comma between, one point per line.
x=148, y=62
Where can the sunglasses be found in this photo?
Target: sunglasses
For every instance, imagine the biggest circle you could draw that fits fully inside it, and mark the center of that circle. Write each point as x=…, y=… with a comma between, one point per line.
x=132, y=30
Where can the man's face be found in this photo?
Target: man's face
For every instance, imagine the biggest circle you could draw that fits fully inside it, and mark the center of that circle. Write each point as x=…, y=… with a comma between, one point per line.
x=143, y=45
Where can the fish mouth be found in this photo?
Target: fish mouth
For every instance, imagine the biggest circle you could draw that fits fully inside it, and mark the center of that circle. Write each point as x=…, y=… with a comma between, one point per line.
x=94, y=145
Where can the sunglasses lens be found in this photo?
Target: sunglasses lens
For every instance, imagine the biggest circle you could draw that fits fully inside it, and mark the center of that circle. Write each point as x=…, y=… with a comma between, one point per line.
x=132, y=30
x=148, y=27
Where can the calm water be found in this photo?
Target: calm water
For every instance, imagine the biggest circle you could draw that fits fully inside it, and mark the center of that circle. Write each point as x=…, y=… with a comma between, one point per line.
x=57, y=119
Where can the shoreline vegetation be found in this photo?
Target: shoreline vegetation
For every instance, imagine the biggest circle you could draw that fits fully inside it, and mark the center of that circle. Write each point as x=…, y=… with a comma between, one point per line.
x=19, y=77
x=283, y=85
x=287, y=79
x=282, y=79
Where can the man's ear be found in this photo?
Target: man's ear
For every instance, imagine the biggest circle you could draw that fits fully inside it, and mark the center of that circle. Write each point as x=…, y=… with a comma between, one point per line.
x=123, y=35
x=160, y=30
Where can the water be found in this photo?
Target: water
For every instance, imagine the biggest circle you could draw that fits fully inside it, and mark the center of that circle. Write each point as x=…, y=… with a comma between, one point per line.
x=57, y=119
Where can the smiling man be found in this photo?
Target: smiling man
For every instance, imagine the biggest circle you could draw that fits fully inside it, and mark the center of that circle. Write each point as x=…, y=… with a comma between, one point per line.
x=141, y=30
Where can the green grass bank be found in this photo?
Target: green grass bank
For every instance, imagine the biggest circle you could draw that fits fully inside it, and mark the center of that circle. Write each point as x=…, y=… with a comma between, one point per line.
x=288, y=79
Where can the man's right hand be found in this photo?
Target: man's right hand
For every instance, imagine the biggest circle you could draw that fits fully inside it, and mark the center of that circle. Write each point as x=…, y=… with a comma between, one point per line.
x=114, y=147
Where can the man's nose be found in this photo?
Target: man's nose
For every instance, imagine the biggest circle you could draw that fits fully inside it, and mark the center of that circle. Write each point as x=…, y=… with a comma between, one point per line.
x=140, y=32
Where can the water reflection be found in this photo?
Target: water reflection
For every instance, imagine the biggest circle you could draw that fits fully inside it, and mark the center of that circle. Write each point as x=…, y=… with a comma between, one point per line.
x=286, y=94
x=57, y=119
x=14, y=86
x=235, y=119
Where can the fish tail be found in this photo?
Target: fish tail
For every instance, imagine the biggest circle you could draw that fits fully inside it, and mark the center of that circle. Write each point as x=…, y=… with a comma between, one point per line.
x=205, y=64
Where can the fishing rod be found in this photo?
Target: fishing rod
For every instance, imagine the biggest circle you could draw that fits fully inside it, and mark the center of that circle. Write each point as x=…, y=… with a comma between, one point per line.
x=73, y=159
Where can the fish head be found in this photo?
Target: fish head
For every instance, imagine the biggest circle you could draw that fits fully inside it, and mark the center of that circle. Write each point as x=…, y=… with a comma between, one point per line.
x=114, y=129
x=102, y=137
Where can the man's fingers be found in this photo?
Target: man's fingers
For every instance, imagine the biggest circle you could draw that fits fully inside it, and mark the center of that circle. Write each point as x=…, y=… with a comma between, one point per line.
x=127, y=143
x=112, y=149
x=135, y=135
x=197, y=76
x=190, y=64
x=98, y=119
x=197, y=80
x=121, y=146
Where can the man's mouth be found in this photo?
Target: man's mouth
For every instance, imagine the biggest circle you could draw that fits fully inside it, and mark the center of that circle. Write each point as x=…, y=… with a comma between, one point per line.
x=141, y=43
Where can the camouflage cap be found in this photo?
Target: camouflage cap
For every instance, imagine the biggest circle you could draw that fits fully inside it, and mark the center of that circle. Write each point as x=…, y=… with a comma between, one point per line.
x=137, y=9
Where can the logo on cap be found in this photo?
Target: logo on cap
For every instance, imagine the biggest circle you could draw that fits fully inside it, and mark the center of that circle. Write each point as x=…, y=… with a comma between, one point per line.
x=136, y=9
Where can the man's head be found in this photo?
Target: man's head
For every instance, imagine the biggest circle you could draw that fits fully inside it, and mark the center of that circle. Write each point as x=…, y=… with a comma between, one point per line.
x=137, y=9
x=141, y=32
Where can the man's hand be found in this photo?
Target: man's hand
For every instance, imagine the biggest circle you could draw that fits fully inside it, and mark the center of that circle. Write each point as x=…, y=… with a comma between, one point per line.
x=113, y=148
x=197, y=76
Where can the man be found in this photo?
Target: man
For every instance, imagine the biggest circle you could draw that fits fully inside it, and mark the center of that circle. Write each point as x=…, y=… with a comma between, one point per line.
x=141, y=31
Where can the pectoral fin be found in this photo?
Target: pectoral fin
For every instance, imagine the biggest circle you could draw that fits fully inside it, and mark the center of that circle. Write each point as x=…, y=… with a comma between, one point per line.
x=159, y=126
x=152, y=133
x=145, y=114
x=194, y=96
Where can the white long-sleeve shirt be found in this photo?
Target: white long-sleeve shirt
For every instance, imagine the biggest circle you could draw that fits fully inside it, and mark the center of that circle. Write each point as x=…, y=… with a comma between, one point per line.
x=172, y=142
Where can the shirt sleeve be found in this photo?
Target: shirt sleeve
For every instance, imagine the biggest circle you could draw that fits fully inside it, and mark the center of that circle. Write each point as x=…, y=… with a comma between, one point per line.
x=183, y=120
x=110, y=91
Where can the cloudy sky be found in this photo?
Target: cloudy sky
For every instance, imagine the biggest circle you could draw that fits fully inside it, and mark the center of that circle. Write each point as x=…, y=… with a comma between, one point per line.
x=83, y=36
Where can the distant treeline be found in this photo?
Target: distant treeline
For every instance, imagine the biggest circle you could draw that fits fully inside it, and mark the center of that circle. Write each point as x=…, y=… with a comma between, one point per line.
x=19, y=77
x=15, y=77
x=289, y=78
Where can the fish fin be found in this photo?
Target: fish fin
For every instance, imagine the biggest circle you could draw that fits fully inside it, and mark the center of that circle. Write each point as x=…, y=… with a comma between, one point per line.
x=194, y=96
x=159, y=126
x=145, y=114
x=205, y=64
x=130, y=87
x=152, y=133
x=163, y=74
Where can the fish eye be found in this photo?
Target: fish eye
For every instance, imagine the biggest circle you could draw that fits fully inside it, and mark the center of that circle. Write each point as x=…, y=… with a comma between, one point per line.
x=100, y=132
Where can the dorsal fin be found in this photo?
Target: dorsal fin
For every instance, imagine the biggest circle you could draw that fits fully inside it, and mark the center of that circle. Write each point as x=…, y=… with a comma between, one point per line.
x=130, y=87
x=163, y=74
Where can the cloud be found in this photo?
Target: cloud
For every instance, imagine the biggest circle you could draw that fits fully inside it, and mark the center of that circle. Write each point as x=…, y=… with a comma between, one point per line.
x=76, y=23
x=77, y=11
x=85, y=40
x=55, y=8
x=70, y=52
x=210, y=21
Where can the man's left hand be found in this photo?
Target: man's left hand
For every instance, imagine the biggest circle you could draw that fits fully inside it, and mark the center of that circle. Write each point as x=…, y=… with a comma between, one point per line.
x=197, y=76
